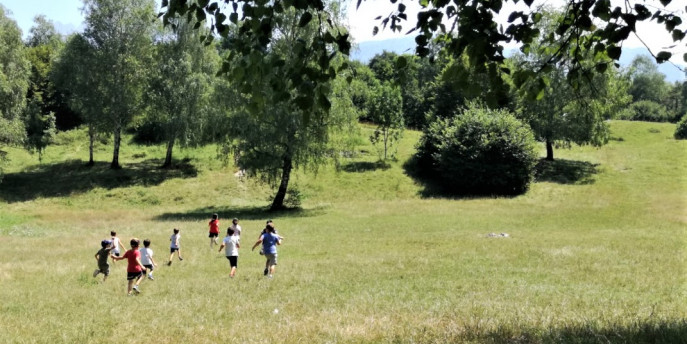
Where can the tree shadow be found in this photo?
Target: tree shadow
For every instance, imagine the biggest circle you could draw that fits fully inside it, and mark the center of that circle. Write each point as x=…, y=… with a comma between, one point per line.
x=75, y=177
x=242, y=213
x=663, y=331
x=364, y=166
x=565, y=171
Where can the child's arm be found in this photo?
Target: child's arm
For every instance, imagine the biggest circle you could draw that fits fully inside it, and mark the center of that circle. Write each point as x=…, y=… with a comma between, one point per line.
x=221, y=246
x=116, y=258
x=257, y=243
x=138, y=260
x=96, y=257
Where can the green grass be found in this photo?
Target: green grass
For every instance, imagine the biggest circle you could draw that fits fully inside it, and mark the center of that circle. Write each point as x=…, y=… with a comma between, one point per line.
x=596, y=251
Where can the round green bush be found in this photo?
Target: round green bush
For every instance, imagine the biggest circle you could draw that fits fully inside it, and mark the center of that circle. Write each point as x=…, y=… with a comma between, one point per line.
x=681, y=130
x=480, y=151
x=646, y=110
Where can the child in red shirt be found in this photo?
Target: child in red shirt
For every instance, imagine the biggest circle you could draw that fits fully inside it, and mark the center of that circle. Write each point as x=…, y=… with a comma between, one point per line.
x=214, y=229
x=134, y=269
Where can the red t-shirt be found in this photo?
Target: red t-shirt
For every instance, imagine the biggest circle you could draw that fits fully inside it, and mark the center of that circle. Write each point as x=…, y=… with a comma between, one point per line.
x=214, y=226
x=131, y=256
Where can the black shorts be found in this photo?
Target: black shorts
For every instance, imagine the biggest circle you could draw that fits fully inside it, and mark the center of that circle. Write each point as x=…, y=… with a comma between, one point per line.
x=173, y=249
x=149, y=267
x=133, y=275
x=116, y=254
x=233, y=261
x=213, y=235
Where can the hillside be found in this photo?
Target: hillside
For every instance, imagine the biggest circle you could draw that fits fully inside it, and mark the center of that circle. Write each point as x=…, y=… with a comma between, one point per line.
x=595, y=250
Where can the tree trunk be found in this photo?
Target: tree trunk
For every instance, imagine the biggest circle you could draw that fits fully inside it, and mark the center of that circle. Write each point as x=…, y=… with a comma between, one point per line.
x=386, y=135
x=278, y=202
x=91, y=143
x=117, y=142
x=168, y=157
x=549, y=150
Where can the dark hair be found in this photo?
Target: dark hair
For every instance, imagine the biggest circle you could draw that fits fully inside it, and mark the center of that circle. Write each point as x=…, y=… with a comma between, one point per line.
x=146, y=242
x=113, y=233
x=176, y=230
x=215, y=216
x=135, y=242
x=230, y=231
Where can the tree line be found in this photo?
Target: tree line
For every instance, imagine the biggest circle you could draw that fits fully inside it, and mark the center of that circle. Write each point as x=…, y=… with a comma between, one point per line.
x=277, y=96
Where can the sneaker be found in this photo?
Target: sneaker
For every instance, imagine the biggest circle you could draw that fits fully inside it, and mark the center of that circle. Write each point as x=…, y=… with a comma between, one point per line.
x=169, y=263
x=270, y=276
x=136, y=290
x=180, y=259
x=264, y=273
x=96, y=272
x=150, y=277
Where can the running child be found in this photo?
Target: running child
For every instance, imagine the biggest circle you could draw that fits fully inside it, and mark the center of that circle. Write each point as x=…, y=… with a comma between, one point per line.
x=214, y=229
x=174, y=246
x=147, y=258
x=116, y=244
x=231, y=242
x=134, y=269
x=269, y=242
x=101, y=257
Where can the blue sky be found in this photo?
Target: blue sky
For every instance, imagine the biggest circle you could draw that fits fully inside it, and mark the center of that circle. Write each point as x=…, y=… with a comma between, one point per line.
x=65, y=14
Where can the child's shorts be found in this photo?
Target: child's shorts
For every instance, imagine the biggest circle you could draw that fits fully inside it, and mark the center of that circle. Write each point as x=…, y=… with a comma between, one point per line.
x=173, y=249
x=149, y=267
x=213, y=235
x=133, y=275
x=271, y=259
x=104, y=269
x=233, y=261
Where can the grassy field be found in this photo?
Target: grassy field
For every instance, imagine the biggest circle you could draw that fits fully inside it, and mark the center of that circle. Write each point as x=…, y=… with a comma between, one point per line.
x=595, y=253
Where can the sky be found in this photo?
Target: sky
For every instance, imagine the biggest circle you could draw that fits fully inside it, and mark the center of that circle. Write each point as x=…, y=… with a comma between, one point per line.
x=67, y=17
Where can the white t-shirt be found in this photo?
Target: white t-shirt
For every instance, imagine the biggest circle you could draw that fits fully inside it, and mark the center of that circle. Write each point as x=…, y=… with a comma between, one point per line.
x=174, y=238
x=231, y=244
x=237, y=229
x=115, y=244
x=145, y=256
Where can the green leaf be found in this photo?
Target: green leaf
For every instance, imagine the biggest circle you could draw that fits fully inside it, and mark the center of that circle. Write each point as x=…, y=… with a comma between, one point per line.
x=401, y=62
x=684, y=57
x=678, y=35
x=614, y=52
x=665, y=2
x=663, y=56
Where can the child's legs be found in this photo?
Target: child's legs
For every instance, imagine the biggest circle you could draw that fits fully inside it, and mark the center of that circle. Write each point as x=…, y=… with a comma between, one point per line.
x=130, y=284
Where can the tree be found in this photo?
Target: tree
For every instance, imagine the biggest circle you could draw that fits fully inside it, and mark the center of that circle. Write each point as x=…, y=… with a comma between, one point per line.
x=284, y=124
x=386, y=111
x=14, y=82
x=74, y=77
x=462, y=27
x=180, y=89
x=568, y=110
x=120, y=32
x=647, y=82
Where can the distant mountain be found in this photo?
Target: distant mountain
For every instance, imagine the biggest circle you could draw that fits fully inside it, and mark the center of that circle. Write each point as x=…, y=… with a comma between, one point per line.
x=406, y=45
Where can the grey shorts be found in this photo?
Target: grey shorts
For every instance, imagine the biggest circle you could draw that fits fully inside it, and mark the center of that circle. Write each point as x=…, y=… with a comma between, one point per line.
x=271, y=259
x=104, y=269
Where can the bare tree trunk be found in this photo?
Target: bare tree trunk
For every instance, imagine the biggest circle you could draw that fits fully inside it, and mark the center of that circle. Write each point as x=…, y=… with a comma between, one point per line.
x=386, y=135
x=91, y=143
x=168, y=157
x=549, y=150
x=117, y=142
x=278, y=202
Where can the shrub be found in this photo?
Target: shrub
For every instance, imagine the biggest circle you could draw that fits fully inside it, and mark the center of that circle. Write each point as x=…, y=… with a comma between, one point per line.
x=646, y=110
x=681, y=130
x=480, y=151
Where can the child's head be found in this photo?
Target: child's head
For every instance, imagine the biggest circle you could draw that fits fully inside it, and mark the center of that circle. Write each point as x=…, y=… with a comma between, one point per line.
x=113, y=233
x=105, y=243
x=230, y=231
x=235, y=221
x=134, y=242
x=146, y=243
x=176, y=230
x=270, y=227
x=215, y=216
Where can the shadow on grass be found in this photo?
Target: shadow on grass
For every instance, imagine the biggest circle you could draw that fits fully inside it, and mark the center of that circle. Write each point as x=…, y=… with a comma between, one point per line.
x=75, y=177
x=667, y=332
x=242, y=213
x=565, y=171
x=364, y=166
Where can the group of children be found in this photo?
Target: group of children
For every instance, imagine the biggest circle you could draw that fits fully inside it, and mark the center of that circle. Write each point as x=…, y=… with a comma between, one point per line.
x=140, y=261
